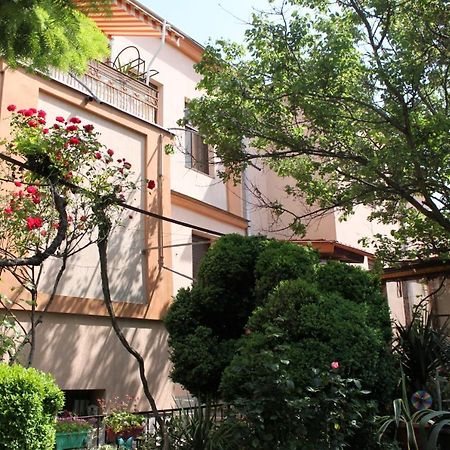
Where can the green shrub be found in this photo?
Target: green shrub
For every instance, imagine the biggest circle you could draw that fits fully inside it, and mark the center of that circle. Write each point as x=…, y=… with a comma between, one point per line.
x=298, y=328
x=280, y=261
x=205, y=321
x=29, y=402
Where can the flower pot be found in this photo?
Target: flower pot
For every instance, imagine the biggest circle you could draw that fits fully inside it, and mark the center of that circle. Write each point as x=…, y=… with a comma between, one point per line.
x=77, y=439
x=112, y=436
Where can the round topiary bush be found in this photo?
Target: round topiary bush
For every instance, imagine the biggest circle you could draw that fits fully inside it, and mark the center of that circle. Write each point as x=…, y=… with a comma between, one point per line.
x=29, y=402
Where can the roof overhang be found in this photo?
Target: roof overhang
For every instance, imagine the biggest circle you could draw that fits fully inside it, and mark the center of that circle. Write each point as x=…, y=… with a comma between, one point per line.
x=130, y=18
x=335, y=250
x=417, y=270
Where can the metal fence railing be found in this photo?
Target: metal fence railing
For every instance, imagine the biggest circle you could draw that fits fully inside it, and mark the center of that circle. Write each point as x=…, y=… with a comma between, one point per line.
x=115, y=89
x=98, y=434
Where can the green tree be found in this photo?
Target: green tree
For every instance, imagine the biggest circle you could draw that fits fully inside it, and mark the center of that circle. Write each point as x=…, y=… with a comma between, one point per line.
x=351, y=99
x=50, y=33
x=301, y=327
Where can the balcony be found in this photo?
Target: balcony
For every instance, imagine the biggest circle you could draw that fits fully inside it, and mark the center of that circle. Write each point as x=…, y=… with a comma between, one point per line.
x=114, y=88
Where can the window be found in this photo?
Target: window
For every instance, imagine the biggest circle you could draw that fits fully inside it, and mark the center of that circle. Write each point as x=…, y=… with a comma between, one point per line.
x=197, y=152
x=200, y=246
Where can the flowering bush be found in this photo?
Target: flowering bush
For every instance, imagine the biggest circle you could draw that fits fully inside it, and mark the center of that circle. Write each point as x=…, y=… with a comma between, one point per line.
x=123, y=420
x=71, y=424
x=64, y=151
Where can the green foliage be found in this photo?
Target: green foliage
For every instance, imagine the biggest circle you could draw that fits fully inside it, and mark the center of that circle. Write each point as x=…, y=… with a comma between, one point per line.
x=422, y=349
x=299, y=326
x=198, y=428
x=282, y=261
x=351, y=100
x=50, y=33
x=205, y=321
x=29, y=402
x=122, y=420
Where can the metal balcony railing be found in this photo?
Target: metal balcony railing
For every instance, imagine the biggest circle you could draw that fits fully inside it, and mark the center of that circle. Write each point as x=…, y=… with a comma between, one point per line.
x=115, y=89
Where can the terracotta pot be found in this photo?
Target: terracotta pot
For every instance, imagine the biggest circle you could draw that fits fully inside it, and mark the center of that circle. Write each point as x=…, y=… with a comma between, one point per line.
x=112, y=436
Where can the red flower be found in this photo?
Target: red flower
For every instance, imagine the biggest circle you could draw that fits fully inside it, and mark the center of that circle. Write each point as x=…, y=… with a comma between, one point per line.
x=98, y=155
x=74, y=140
x=43, y=233
x=21, y=111
x=335, y=365
x=33, y=110
x=88, y=127
x=36, y=199
x=32, y=123
x=34, y=222
x=32, y=190
x=42, y=121
x=27, y=113
x=55, y=226
x=151, y=184
x=17, y=183
x=8, y=211
x=45, y=131
x=11, y=107
x=74, y=120
x=68, y=175
x=127, y=165
x=60, y=119
x=110, y=152
x=56, y=126
x=72, y=128
x=42, y=113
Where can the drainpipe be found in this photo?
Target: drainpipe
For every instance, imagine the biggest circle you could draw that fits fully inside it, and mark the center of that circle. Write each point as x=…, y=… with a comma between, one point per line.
x=245, y=197
x=159, y=185
x=161, y=45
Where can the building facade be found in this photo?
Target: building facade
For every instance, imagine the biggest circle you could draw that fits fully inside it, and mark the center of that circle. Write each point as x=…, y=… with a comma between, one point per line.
x=135, y=101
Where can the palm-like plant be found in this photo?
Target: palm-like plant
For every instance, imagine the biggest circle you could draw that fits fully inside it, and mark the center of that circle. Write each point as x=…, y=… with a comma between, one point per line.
x=422, y=348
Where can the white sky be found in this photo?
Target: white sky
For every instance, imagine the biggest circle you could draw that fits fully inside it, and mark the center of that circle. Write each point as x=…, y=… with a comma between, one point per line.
x=204, y=19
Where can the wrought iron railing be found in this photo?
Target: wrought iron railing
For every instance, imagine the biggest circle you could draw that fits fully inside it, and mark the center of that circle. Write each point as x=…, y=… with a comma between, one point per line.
x=114, y=88
x=217, y=412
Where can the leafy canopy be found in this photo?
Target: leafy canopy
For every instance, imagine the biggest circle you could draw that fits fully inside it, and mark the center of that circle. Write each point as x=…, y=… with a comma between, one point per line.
x=351, y=99
x=50, y=33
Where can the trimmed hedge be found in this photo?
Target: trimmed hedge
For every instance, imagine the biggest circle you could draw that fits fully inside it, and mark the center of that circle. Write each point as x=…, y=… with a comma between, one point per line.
x=29, y=402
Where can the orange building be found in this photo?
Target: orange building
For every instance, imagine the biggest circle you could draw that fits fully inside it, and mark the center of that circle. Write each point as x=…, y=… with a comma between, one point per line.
x=135, y=100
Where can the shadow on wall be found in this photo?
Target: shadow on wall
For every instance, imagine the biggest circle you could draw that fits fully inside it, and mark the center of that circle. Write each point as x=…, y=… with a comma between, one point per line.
x=84, y=353
x=127, y=264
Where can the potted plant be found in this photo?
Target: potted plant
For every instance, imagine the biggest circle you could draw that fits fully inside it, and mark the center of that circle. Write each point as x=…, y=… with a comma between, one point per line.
x=123, y=425
x=71, y=432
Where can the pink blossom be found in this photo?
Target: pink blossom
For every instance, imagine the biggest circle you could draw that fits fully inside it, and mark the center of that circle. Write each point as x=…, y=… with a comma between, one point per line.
x=8, y=210
x=34, y=222
x=32, y=189
x=335, y=365
x=17, y=183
